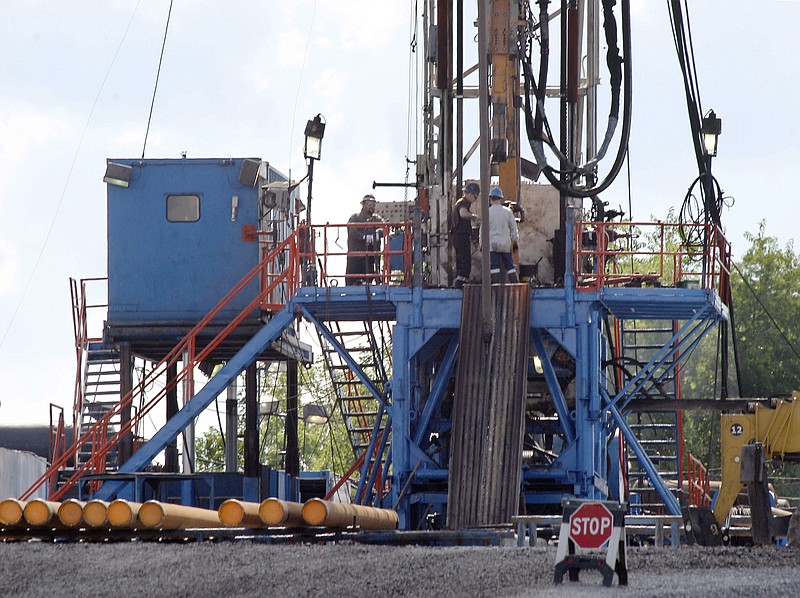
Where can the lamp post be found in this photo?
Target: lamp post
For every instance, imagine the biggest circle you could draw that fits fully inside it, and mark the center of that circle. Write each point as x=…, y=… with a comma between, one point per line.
x=312, y=150
x=710, y=130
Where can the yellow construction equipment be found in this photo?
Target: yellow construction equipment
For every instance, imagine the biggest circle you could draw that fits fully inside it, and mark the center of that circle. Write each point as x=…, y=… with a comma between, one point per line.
x=766, y=433
x=333, y=514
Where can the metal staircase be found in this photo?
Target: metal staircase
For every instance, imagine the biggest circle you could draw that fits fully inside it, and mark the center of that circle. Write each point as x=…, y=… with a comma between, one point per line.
x=658, y=431
x=105, y=431
x=101, y=393
x=368, y=345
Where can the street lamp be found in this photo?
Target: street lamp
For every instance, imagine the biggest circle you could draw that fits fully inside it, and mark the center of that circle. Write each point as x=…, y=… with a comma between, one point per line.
x=315, y=131
x=711, y=130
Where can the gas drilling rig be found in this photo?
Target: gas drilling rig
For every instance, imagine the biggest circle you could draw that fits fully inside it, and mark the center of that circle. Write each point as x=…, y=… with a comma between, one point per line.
x=462, y=407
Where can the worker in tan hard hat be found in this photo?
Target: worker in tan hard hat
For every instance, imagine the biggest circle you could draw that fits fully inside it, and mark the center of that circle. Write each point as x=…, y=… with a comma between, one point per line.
x=364, y=244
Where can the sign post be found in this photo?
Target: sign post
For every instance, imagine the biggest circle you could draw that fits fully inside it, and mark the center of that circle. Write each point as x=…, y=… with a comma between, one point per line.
x=592, y=536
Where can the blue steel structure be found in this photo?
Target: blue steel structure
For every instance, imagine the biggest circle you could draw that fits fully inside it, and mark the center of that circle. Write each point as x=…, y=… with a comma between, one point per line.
x=585, y=431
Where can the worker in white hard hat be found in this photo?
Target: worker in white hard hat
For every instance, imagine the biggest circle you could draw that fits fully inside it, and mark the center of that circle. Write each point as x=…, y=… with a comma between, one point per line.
x=503, y=238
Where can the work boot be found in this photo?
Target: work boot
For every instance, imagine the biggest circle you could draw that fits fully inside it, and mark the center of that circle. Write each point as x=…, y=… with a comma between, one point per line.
x=459, y=283
x=513, y=278
x=495, y=277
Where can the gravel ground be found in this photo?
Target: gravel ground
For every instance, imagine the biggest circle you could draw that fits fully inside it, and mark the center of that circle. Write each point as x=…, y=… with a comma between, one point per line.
x=248, y=568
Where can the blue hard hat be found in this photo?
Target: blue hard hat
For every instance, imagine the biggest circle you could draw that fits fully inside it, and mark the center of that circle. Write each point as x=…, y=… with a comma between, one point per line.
x=473, y=188
x=496, y=192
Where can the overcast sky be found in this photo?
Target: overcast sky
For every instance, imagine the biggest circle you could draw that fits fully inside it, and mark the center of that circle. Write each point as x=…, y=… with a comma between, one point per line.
x=241, y=78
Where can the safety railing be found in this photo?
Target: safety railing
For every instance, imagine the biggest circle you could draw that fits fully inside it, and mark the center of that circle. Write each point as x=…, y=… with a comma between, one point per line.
x=384, y=260
x=613, y=254
x=187, y=350
x=699, y=494
x=80, y=311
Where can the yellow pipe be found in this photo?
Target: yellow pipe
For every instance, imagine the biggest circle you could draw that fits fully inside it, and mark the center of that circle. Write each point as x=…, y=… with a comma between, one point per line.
x=281, y=513
x=333, y=514
x=11, y=511
x=166, y=516
x=238, y=513
x=95, y=513
x=70, y=512
x=123, y=513
x=41, y=512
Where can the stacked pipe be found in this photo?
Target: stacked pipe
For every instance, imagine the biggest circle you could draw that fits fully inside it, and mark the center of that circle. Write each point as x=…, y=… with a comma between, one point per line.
x=127, y=515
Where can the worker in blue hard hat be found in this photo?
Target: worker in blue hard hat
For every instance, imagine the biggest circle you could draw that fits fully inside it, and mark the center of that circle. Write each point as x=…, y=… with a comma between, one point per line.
x=462, y=224
x=503, y=238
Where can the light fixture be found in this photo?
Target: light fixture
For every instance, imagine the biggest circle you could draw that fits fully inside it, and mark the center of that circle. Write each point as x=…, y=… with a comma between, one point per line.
x=711, y=130
x=118, y=174
x=268, y=407
x=248, y=173
x=315, y=414
x=315, y=131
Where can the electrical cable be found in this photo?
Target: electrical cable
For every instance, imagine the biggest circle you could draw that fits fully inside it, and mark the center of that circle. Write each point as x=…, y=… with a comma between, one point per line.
x=619, y=76
x=158, y=76
x=66, y=183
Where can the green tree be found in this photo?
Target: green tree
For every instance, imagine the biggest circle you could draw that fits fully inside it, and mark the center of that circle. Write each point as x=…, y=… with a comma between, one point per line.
x=766, y=299
x=322, y=446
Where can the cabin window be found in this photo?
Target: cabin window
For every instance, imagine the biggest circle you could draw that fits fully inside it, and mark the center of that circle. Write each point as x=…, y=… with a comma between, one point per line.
x=183, y=208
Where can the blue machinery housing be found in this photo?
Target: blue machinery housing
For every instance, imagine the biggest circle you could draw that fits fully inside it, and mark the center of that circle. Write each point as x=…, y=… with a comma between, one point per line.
x=176, y=246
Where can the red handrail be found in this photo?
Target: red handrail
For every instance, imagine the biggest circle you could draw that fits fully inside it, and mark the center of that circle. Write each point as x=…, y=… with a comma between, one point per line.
x=100, y=449
x=697, y=475
x=606, y=255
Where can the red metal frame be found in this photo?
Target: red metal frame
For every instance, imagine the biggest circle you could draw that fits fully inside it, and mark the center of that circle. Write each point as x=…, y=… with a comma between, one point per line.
x=279, y=274
x=330, y=259
x=610, y=258
x=97, y=433
x=697, y=474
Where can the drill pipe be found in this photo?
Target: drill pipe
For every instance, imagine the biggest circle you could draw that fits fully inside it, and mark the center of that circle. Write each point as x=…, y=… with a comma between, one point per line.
x=238, y=513
x=41, y=512
x=70, y=512
x=95, y=513
x=166, y=516
x=11, y=511
x=123, y=514
x=333, y=514
x=281, y=513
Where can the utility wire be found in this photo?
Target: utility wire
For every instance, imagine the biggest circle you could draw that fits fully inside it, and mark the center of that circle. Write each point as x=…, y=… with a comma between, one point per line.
x=66, y=183
x=766, y=311
x=158, y=75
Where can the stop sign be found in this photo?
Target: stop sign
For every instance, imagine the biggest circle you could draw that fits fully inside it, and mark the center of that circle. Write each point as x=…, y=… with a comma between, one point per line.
x=590, y=525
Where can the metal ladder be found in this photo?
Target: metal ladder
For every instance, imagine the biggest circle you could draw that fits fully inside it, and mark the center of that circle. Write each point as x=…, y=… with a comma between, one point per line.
x=369, y=345
x=658, y=432
x=101, y=393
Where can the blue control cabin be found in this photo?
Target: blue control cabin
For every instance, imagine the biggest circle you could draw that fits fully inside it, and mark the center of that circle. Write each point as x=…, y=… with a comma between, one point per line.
x=181, y=234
